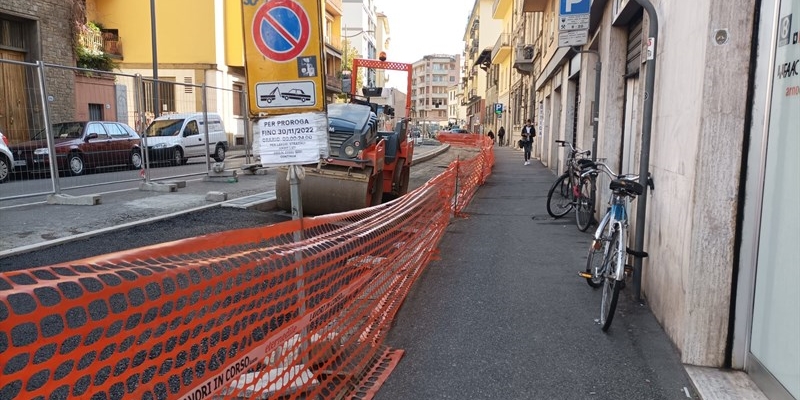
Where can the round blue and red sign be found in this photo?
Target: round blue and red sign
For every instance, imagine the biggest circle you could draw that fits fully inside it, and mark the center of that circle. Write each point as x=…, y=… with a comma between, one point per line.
x=281, y=30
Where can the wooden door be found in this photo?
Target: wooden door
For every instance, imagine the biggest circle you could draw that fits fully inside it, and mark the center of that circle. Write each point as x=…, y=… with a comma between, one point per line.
x=13, y=98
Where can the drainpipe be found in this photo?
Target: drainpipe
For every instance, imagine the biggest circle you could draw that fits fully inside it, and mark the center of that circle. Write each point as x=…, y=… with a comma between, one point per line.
x=644, y=163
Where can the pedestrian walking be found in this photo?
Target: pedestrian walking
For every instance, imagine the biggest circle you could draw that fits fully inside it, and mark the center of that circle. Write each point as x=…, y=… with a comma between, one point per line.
x=528, y=133
x=491, y=136
x=501, y=134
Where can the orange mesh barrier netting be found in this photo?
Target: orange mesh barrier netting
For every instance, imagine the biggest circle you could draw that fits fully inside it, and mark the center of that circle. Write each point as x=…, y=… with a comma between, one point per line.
x=293, y=310
x=472, y=174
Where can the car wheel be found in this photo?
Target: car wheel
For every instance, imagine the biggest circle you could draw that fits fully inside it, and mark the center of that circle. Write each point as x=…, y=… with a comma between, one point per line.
x=219, y=153
x=75, y=164
x=177, y=156
x=136, y=159
x=5, y=169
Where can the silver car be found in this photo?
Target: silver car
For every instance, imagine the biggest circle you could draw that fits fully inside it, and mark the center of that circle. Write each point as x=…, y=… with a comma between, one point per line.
x=6, y=159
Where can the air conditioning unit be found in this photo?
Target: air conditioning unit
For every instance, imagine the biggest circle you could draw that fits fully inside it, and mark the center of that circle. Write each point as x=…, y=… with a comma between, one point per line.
x=525, y=53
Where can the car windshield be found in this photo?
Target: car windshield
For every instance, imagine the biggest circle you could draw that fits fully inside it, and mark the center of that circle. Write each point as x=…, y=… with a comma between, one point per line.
x=167, y=127
x=63, y=130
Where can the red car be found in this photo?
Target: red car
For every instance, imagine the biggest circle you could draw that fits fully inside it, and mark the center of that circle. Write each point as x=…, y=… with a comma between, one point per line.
x=81, y=146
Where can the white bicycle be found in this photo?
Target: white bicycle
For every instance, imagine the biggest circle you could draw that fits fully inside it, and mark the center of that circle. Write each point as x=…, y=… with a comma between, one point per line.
x=605, y=265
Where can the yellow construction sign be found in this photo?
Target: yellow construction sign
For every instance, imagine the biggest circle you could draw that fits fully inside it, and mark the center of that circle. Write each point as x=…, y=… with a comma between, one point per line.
x=284, y=62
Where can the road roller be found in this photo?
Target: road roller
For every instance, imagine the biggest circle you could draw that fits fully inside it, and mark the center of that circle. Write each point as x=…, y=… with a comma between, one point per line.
x=367, y=165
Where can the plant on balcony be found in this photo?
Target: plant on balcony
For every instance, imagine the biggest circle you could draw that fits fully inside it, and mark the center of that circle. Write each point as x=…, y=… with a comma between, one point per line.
x=89, y=49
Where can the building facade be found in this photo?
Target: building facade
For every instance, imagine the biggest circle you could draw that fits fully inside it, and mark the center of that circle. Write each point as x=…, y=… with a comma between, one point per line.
x=31, y=34
x=722, y=86
x=480, y=36
x=359, y=28
x=431, y=77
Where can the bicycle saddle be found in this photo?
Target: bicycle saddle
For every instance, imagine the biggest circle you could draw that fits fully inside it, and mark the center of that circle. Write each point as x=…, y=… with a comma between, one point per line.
x=585, y=163
x=627, y=187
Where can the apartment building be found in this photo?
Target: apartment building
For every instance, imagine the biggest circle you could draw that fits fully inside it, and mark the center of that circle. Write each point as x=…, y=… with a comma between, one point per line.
x=332, y=32
x=708, y=103
x=359, y=28
x=480, y=36
x=382, y=40
x=431, y=77
x=456, y=110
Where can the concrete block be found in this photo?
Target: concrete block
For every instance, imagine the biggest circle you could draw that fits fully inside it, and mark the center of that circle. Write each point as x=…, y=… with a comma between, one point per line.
x=216, y=196
x=229, y=178
x=158, y=187
x=178, y=184
x=65, y=199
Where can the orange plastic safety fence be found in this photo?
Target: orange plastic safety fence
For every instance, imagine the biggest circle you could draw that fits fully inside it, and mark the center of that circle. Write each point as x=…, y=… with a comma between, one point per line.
x=472, y=172
x=294, y=310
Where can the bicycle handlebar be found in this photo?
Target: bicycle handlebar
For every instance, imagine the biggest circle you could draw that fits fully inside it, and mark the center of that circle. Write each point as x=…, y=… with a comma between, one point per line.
x=603, y=167
x=573, y=150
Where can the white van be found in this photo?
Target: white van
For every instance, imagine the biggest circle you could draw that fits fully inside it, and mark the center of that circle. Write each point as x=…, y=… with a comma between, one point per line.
x=174, y=138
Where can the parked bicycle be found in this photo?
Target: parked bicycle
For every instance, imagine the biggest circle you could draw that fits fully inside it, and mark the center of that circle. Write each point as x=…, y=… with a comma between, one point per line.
x=606, y=262
x=571, y=190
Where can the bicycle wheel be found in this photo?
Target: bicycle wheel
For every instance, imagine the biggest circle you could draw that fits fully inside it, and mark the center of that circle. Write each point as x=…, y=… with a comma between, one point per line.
x=584, y=205
x=559, y=201
x=611, y=285
x=594, y=266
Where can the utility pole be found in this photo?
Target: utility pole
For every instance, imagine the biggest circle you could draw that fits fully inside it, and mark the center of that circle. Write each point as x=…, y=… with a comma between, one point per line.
x=156, y=107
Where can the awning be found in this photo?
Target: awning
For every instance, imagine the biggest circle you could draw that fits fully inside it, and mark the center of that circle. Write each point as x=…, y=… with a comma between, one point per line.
x=484, y=59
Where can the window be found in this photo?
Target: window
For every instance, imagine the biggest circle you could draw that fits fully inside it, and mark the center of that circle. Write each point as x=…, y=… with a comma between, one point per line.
x=98, y=129
x=115, y=130
x=95, y=112
x=238, y=89
x=191, y=129
x=13, y=34
x=166, y=95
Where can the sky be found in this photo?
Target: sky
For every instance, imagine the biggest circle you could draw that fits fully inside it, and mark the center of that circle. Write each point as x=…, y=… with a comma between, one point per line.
x=421, y=27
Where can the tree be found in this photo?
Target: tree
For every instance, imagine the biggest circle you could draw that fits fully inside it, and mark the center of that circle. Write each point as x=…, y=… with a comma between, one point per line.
x=350, y=53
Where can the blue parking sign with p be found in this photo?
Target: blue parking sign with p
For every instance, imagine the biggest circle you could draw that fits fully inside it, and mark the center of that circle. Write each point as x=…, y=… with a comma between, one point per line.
x=572, y=7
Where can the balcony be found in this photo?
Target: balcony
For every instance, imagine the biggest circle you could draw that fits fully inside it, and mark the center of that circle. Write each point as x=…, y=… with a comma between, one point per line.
x=333, y=83
x=523, y=60
x=112, y=43
x=534, y=5
x=502, y=48
x=500, y=8
x=334, y=7
x=334, y=43
x=107, y=41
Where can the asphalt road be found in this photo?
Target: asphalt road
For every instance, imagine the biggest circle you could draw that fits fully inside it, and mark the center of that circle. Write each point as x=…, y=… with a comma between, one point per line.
x=41, y=222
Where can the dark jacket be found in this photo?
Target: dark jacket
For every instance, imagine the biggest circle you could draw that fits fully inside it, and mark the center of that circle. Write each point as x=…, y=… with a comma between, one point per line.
x=528, y=137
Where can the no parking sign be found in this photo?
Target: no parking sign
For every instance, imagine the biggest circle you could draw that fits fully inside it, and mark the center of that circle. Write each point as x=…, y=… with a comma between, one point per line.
x=283, y=56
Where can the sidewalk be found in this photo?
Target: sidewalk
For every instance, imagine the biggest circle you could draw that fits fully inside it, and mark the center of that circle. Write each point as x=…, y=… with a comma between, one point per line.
x=504, y=315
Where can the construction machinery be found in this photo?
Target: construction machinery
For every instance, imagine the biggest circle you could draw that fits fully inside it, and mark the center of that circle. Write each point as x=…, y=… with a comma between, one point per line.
x=366, y=166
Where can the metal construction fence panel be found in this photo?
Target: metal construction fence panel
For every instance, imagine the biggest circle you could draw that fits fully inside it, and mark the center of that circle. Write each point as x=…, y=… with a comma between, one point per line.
x=293, y=310
x=96, y=121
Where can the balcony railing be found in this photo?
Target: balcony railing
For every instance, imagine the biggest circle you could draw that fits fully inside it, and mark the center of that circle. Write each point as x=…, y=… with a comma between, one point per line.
x=91, y=40
x=534, y=5
x=112, y=43
x=334, y=41
x=107, y=41
x=501, y=47
x=333, y=82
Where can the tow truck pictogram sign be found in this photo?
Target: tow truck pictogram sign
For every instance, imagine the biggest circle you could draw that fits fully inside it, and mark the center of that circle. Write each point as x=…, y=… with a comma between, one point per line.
x=286, y=94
